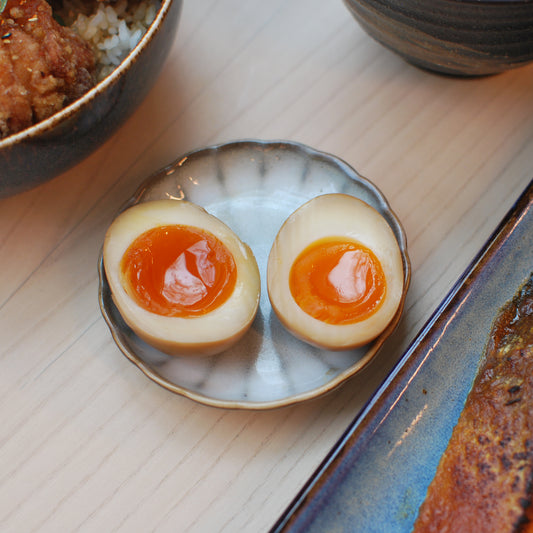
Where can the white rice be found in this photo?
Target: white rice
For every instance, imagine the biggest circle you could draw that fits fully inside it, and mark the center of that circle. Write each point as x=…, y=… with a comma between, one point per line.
x=114, y=29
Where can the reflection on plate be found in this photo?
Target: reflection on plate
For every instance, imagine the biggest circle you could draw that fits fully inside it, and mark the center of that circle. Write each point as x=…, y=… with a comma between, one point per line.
x=377, y=475
x=253, y=186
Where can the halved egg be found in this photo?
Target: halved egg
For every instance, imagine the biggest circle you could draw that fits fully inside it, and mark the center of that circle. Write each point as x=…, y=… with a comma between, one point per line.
x=180, y=277
x=335, y=273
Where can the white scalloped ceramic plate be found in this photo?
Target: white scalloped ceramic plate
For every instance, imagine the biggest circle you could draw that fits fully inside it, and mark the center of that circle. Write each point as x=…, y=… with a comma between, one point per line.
x=253, y=186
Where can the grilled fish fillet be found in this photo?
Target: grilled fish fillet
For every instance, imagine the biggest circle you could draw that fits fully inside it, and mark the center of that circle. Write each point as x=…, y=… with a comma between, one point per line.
x=484, y=480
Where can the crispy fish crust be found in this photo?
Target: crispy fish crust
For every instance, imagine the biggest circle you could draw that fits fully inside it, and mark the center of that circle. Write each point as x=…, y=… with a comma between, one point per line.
x=484, y=480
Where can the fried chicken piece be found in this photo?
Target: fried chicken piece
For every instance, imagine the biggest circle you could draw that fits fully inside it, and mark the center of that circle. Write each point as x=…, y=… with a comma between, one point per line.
x=43, y=65
x=484, y=479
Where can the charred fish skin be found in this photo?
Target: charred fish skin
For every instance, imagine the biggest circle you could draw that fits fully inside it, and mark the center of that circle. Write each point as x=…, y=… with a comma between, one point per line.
x=484, y=480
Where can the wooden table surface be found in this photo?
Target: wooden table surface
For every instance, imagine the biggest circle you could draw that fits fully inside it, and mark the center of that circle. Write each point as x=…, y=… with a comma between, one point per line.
x=87, y=442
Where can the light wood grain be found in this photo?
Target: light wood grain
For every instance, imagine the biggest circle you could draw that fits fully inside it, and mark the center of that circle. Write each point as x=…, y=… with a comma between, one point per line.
x=87, y=443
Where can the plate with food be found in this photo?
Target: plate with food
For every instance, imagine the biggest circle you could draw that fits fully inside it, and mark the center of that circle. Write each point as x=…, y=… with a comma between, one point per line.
x=445, y=443
x=197, y=283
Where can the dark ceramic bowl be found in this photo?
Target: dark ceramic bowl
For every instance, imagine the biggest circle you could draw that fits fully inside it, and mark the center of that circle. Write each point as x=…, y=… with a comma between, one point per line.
x=458, y=37
x=43, y=151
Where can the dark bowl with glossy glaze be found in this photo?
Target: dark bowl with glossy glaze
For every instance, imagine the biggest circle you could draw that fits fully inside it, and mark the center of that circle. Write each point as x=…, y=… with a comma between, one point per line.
x=456, y=37
x=41, y=152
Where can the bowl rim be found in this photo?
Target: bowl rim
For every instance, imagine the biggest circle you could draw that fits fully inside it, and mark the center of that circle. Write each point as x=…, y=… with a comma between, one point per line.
x=506, y=3
x=502, y=2
x=112, y=78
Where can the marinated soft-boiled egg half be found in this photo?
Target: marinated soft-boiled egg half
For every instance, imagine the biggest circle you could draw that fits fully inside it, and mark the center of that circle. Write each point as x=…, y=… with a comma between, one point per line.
x=180, y=277
x=335, y=273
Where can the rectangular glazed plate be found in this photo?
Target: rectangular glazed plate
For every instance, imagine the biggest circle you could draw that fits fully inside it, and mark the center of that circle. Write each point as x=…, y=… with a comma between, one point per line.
x=377, y=475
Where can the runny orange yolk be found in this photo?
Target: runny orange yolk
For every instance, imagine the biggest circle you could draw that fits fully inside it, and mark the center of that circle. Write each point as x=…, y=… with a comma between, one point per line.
x=178, y=271
x=337, y=281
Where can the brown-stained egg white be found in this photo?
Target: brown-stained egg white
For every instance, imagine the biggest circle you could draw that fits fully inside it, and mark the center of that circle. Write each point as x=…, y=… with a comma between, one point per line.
x=335, y=273
x=181, y=278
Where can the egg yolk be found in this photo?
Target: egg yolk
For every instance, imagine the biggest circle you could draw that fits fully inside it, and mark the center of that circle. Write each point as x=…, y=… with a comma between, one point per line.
x=337, y=281
x=178, y=271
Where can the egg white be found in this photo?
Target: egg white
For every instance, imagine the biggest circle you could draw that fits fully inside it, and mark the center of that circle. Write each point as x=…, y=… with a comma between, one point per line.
x=205, y=334
x=334, y=215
